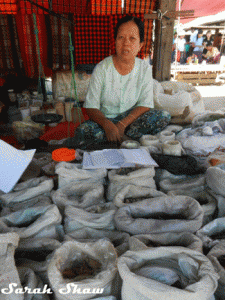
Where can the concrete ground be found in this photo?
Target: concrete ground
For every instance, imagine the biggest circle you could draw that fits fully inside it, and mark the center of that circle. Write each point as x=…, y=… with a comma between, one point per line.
x=213, y=96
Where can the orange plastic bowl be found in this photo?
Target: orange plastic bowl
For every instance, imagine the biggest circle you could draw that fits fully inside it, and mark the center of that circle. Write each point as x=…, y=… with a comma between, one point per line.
x=63, y=154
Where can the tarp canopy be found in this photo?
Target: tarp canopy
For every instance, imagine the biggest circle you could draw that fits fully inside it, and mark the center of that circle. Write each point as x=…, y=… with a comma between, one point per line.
x=201, y=8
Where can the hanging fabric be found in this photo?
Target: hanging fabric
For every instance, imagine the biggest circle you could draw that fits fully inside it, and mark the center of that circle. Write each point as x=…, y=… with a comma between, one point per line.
x=106, y=7
x=8, y=7
x=6, y=60
x=25, y=7
x=74, y=7
x=27, y=43
x=92, y=38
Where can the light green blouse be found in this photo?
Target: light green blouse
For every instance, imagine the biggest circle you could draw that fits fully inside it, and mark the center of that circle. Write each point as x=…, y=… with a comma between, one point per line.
x=114, y=94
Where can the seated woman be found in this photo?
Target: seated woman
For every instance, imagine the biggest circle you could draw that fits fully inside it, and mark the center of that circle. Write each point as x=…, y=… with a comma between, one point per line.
x=120, y=94
x=207, y=43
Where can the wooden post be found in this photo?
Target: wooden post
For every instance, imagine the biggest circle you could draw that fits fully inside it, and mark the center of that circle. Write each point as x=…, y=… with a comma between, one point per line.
x=163, y=46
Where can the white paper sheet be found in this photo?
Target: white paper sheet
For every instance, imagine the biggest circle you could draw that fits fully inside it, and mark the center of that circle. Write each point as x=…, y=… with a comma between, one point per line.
x=13, y=163
x=117, y=158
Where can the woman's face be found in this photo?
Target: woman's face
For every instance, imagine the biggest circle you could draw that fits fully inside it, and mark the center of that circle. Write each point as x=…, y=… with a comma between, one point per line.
x=128, y=42
x=208, y=35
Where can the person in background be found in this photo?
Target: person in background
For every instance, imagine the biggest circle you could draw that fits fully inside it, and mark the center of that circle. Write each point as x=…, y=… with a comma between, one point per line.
x=198, y=45
x=207, y=43
x=181, y=47
x=174, y=47
x=120, y=95
x=193, y=35
x=217, y=41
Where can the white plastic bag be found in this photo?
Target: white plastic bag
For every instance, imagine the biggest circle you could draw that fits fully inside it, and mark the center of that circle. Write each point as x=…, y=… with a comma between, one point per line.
x=212, y=233
x=77, y=219
x=148, y=274
x=70, y=255
x=20, y=198
x=8, y=270
x=82, y=195
x=216, y=255
x=189, y=183
x=142, y=177
x=69, y=173
x=120, y=240
x=41, y=221
x=215, y=179
x=132, y=193
x=160, y=215
x=183, y=239
x=175, y=104
x=34, y=283
x=206, y=200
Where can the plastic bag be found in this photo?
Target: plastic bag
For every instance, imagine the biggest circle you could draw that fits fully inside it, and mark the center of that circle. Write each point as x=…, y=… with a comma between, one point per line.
x=175, y=104
x=77, y=218
x=212, y=233
x=149, y=274
x=216, y=255
x=206, y=200
x=183, y=239
x=160, y=215
x=38, y=222
x=82, y=195
x=86, y=265
x=188, y=183
x=132, y=193
x=120, y=240
x=142, y=177
x=33, y=282
x=69, y=173
x=62, y=84
x=215, y=179
x=37, y=187
x=8, y=272
x=24, y=131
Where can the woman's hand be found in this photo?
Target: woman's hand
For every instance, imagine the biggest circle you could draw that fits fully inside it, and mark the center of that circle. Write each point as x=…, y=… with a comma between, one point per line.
x=121, y=129
x=112, y=132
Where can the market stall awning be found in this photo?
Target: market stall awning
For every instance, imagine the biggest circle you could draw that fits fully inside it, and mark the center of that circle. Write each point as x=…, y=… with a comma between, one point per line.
x=201, y=8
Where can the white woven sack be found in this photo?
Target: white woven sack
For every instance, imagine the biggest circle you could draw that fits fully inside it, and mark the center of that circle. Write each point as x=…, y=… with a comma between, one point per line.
x=77, y=219
x=82, y=194
x=70, y=253
x=195, y=183
x=207, y=116
x=177, y=86
x=160, y=215
x=41, y=200
x=132, y=191
x=38, y=187
x=34, y=283
x=69, y=173
x=62, y=85
x=183, y=239
x=142, y=177
x=220, y=203
x=119, y=239
x=212, y=233
x=175, y=104
x=197, y=145
x=8, y=270
x=34, y=244
x=194, y=270
x=215, y=179
x=214, y=254
x=36, y=222
x=157, y=89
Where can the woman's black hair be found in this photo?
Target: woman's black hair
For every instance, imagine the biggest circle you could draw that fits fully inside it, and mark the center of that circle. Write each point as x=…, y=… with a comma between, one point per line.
x=136, y=20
